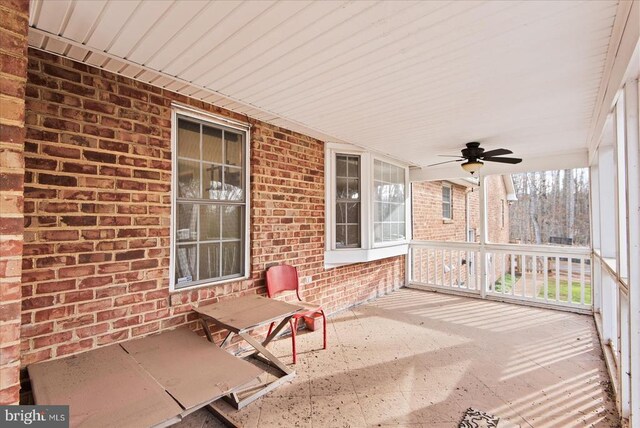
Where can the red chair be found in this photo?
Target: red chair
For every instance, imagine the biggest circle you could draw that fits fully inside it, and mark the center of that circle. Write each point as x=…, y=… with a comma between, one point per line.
x=285, y=278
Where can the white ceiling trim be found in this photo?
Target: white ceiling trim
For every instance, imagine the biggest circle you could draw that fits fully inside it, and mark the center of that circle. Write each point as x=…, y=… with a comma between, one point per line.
x=623, y=45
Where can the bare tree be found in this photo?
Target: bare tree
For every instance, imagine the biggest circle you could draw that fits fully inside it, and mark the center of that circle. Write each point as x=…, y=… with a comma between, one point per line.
x=552, y=205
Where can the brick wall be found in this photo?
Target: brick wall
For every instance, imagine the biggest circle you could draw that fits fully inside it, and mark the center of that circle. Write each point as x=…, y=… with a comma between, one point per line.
x=13, y=70
x=498, y=231
x=426, y=203
x=429, y=225
x=439, y=267
x=97, y=208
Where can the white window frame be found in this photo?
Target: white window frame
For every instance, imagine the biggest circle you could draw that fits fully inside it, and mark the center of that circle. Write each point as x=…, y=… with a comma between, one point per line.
x=179, y=110
x=450, y=187
x=369, y=250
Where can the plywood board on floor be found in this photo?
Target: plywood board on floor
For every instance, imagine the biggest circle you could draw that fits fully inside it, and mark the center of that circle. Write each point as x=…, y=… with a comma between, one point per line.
x=194, y=371
x=103, y=388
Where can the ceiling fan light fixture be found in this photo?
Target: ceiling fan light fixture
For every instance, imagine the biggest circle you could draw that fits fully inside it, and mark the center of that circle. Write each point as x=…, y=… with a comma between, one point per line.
x=472, y=166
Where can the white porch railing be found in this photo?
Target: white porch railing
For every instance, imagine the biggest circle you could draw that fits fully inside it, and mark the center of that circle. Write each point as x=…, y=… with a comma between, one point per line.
x=541, y=275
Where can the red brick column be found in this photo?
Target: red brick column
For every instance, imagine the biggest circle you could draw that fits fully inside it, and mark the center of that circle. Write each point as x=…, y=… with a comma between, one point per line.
x=13, y=73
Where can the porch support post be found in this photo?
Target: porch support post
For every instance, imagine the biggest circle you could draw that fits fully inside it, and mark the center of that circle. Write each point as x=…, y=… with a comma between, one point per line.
x=13, y=56
x=632, y=94
x=483, y=237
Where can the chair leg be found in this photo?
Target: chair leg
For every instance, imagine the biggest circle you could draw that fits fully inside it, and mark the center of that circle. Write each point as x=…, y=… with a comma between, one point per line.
x=324, y=330
x=294, y=326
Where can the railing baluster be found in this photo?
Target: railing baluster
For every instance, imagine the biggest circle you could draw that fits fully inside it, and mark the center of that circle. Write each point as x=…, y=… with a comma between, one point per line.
x=502, y=280
x=534, y=262
x=442, y=271
x=417, y=262
x=557, y=279
x=513, y=274
x=581, y=281
x=569, y=280
x=523, y=272
x=468, y=269
x=428, y=263
x=545, y=266
x=450, y=268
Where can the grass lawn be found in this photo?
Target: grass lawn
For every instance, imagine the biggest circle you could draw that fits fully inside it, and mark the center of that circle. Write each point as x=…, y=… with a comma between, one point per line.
x=564, y=291
x=508, y=283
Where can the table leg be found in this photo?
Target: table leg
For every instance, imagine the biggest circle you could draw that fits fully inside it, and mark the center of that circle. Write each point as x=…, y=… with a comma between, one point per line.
x=207, y=332
x=262, y=350
x=275, y=331
x=226, y=340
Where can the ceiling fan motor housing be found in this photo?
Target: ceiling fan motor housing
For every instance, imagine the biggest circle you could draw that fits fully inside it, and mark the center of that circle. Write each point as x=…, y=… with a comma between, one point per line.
x=473, y=151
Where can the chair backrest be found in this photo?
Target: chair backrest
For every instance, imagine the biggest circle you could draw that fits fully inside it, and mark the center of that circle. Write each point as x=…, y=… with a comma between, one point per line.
x=282, y=278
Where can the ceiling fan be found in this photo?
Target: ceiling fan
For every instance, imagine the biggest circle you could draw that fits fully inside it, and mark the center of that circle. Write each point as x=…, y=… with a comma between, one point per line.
x=475, y=156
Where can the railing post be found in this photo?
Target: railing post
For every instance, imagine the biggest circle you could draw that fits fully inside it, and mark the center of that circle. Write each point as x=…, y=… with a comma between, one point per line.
x=483, y=237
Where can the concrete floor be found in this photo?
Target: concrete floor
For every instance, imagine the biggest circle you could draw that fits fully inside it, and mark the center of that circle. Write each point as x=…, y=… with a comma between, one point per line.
x=420, y=359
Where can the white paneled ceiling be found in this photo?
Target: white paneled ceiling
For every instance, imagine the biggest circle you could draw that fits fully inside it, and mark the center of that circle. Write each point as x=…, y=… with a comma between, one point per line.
x=411, y=79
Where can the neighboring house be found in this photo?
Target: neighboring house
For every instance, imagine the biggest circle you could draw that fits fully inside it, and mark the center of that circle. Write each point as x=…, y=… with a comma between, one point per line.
x=450, y=211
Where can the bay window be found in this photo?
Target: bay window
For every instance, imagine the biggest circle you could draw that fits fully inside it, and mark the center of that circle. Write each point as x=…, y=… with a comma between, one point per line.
x=367, y=206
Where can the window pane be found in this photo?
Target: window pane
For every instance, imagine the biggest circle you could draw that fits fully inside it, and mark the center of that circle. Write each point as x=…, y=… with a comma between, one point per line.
x=341, y=212
x=377, y=229
x=389, y=202
x=446, y=211
x=211, y=144
x=446, y=194
x=187, y=222
x=212, y=183
x=353, y=235
x=209, y=261
x=394, y=213
x=353, y=166
x=353, y=213
x=188, y=139
x=231, y=222
x=342, y=190
x=209, y=222
x=401, y=229
x=185, y=264
x=188, y=179
x=386, y=232
x=231, y=258
x=341, y=236
x=353, y=189
x=233, y=148
x=341, y=166
x=386, y=212
x=233, y=184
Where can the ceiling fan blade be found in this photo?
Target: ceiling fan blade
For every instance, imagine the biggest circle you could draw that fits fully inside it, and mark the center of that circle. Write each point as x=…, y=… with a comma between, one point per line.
x=450, y=156
x=440, y=163
x=496, y=152
x=502, y=160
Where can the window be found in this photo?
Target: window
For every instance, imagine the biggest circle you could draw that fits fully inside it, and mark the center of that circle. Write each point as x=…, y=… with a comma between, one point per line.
x=347, y=201
x=389, y=202
x=447, y=204
x=367, y=206
x=209, y=206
